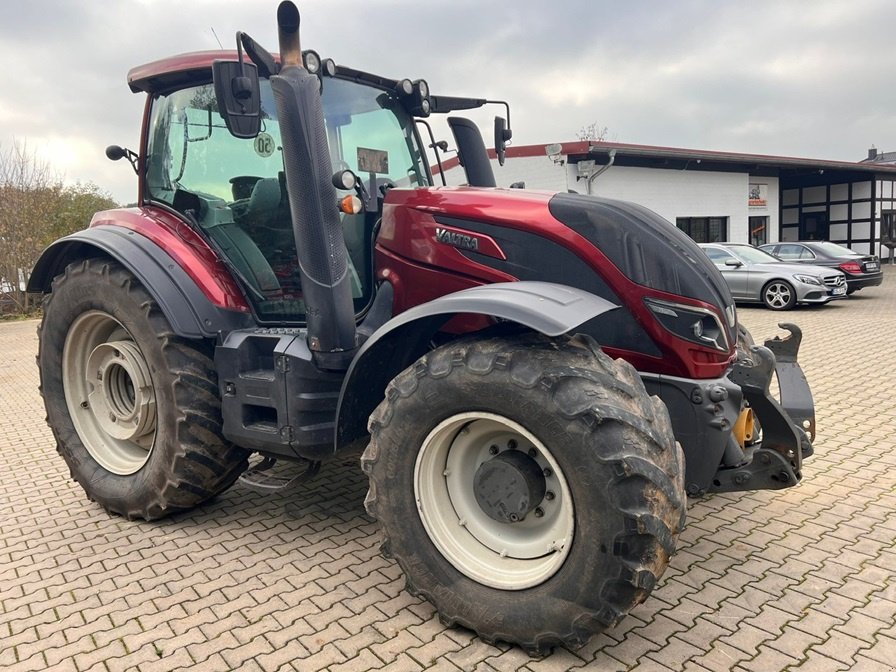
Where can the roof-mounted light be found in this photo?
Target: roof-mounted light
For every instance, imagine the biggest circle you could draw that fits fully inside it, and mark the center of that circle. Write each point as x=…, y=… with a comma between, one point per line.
x=328, y=67
x=419, y=104
x=312, y=61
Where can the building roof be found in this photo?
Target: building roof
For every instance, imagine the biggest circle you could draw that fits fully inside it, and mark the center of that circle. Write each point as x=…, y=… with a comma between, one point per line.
x=879, y=157
x=702, y=159
x=677, y=158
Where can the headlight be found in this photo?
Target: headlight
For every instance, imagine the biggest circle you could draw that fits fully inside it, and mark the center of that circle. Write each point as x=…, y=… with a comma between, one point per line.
x=697, y=325
x=808, y=279
x=312, y=61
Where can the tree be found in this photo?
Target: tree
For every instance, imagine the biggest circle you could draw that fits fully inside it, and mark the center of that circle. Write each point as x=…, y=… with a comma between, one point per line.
x=592, y=132
x=36, y=209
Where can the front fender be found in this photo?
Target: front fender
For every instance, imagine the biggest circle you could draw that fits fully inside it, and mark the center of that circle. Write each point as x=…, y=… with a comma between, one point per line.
x=188, y=310
x=545, y=307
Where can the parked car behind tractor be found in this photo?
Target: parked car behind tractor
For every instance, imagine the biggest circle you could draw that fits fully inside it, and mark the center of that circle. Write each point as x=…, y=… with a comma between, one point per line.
x=755, y=276
x=861, y=270
x=292, y=284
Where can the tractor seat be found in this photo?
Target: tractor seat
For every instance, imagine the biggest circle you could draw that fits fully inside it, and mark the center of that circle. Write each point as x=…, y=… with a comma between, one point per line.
x=264, y=202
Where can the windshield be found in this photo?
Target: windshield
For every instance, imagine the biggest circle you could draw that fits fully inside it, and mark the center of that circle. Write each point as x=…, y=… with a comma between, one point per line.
x=752, y=254
x=234, y=189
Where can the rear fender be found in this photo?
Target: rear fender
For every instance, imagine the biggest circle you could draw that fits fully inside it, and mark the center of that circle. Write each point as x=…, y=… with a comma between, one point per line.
x=544, y=307
x=188, y=310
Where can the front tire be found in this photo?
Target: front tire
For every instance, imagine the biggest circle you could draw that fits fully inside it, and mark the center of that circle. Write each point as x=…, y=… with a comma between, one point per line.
x=528, y=487
x=134, y=409
x=779, y=295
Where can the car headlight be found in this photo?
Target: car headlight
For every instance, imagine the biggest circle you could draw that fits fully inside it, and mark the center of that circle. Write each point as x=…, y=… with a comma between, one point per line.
x=697, y=325
x=808, y=279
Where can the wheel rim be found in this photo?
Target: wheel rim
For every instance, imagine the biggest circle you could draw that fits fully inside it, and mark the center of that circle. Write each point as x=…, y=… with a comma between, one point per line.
x=778, y=295
x=109, y=393
x=506, y=555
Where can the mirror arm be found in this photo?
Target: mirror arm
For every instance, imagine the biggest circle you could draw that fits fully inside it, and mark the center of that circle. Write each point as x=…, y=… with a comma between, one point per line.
x=506, y=110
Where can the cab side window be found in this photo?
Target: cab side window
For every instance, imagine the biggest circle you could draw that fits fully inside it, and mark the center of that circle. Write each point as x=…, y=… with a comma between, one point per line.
x=793, y=252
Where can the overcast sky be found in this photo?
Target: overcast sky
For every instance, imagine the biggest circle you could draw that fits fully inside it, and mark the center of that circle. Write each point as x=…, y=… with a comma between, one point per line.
x=805, y=78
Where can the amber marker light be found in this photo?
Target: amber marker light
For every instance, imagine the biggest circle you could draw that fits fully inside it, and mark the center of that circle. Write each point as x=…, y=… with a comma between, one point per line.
x=351, y=205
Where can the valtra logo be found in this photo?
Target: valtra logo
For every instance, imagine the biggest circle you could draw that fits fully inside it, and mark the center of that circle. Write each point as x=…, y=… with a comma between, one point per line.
x=456, y=239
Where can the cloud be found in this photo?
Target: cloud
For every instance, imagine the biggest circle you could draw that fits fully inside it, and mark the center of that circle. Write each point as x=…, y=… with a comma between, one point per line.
x=806, y=79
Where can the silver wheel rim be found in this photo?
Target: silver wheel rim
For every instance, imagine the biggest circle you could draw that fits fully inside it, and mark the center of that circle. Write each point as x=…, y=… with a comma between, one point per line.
x=509, y=556
x=778, y=295
x=109, y=393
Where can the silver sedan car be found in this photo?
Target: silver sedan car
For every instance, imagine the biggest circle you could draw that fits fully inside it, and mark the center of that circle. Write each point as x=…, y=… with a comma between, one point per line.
x=758, y=277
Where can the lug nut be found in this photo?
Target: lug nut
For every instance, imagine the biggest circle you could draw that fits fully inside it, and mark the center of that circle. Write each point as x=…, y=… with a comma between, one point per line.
x=539, y=512
x=549, y=496
x=511, y=444
x=493, y=450
x=547, y=471
x=532, y=452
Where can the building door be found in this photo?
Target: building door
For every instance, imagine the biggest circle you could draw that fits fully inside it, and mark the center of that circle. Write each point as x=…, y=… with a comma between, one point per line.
x=814, y=226
x=758, y=231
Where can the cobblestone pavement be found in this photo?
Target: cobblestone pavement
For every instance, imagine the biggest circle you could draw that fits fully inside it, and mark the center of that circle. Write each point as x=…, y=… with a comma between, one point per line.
x=798, y=579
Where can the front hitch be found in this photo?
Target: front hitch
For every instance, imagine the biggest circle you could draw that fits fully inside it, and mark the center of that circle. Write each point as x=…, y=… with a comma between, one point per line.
x=776, y=462
x=796, y=397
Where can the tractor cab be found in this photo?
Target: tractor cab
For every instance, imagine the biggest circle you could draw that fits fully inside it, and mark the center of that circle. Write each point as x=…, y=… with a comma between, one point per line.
x=231, y=184
x=233, y=189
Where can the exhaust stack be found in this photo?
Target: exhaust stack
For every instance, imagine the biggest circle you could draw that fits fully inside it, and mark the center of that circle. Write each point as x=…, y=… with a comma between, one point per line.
x=322, y=255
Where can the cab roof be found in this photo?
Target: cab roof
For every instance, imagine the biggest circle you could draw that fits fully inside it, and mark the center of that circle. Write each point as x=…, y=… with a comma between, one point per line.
x=176, y=71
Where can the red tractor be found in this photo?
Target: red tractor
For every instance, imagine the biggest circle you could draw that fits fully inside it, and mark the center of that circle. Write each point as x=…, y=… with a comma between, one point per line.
x=529, y=372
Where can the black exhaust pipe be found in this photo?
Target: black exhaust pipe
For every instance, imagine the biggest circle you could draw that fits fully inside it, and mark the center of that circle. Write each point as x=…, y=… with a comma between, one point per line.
x=323, y=257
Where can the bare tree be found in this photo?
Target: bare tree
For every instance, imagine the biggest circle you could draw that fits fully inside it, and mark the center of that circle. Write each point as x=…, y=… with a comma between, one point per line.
x=35, y=209
x=592, y=132
x=28, y=186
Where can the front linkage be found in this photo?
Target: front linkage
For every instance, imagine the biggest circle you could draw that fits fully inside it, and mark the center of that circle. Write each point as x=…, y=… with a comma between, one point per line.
x=776, y=461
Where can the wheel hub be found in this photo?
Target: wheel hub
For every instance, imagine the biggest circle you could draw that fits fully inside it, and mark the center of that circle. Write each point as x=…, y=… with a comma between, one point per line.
x=509, y=487
x=474, y=473
x=121, y=399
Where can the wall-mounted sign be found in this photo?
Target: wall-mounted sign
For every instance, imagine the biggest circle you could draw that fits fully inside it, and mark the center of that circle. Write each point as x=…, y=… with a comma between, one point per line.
x=758, y=197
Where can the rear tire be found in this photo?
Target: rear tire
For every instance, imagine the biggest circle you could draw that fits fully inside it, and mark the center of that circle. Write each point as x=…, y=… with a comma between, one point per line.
x=583, y=555
x=779, y=295
x=134, y=409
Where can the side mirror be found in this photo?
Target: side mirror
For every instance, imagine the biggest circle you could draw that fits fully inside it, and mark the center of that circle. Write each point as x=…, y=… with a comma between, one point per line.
x=239, y=99
x=733, y=263
x=502, y=135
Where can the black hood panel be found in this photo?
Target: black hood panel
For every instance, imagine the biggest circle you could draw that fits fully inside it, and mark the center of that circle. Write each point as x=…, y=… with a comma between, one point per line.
x=648, y=249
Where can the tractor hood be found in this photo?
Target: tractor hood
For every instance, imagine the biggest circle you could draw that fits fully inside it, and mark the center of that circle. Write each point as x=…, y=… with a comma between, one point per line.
x=619, y=251
x=645, y=248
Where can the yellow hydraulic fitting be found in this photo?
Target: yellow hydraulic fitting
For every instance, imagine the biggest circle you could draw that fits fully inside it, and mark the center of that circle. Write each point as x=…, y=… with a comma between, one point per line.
x=744, y=427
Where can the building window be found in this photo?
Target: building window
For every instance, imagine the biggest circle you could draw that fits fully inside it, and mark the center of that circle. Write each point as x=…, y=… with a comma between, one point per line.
x=704, y=229
x=758, y=231
x=888, y=228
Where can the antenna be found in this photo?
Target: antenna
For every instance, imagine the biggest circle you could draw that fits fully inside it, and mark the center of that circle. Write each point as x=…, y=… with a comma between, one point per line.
x=212, y=28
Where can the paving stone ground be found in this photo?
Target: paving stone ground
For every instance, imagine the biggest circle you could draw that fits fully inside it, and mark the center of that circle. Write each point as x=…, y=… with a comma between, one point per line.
x=801, y=579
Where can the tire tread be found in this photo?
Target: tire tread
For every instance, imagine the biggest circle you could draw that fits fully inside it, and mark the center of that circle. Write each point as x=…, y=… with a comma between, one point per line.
x=651, y=456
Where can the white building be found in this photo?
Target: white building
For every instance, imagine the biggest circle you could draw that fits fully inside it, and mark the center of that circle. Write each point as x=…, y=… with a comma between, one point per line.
x=719, y=196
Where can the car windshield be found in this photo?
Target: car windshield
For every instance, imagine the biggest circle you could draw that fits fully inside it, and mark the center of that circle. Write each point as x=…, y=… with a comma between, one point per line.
x=234, y=189
x=752, y=254
x=834, y=250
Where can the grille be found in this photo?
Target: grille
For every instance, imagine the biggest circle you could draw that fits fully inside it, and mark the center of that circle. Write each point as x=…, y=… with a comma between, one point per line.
x=834, y=280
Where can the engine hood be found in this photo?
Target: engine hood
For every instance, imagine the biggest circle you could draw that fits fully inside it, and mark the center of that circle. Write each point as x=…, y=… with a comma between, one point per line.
x=783, y=268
